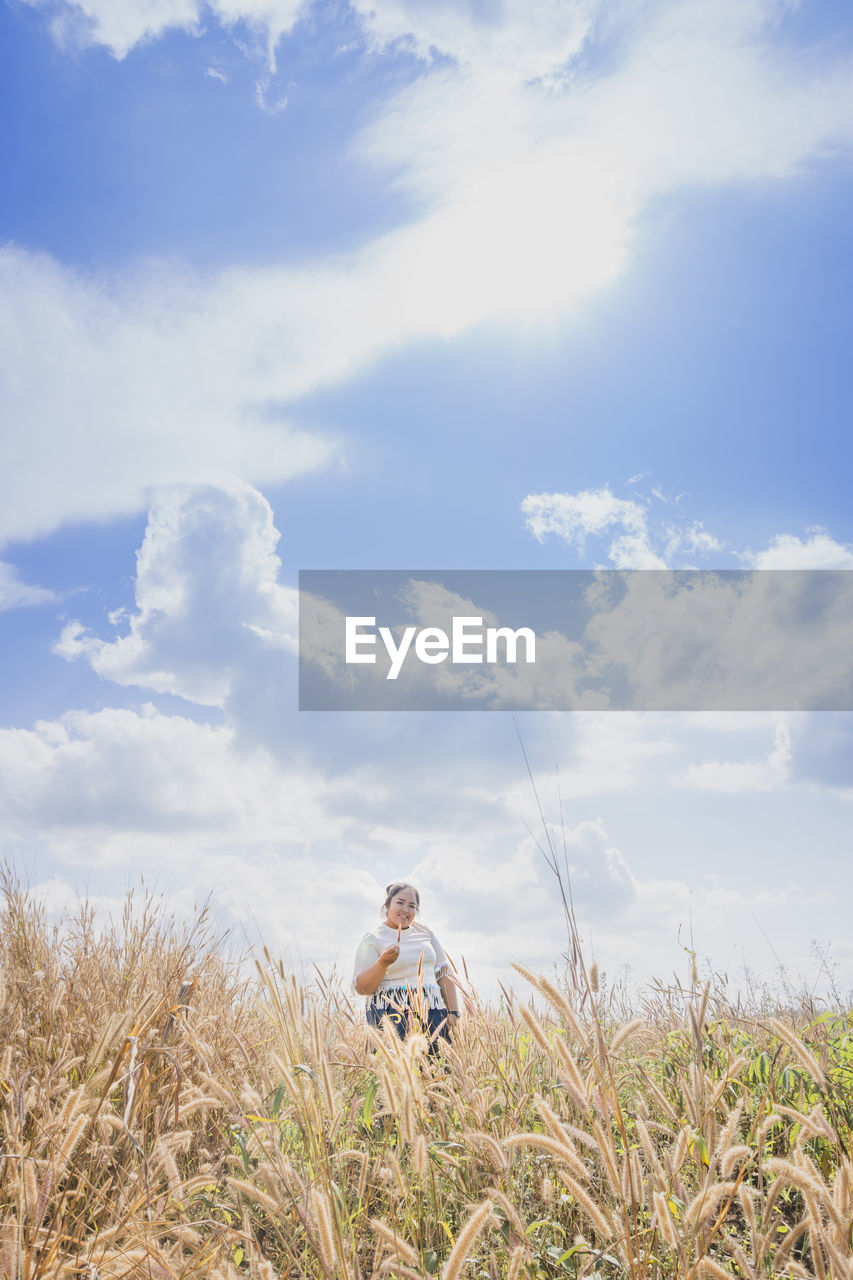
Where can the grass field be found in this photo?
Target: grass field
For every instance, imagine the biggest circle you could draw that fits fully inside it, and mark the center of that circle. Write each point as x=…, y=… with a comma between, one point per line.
x=163, y=1116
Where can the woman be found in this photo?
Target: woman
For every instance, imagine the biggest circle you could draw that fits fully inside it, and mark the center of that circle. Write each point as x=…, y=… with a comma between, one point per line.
x=402, y=969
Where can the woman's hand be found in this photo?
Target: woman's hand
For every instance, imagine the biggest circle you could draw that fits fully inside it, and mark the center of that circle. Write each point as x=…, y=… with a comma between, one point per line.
x=370, y=979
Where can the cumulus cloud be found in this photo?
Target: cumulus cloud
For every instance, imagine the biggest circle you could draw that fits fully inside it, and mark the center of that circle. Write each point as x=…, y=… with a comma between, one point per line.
x=787, y=551
x=109, y=793
x=291, y=849
x=716, y=642
x=530, y=193
x=646, y=541
x=119, y=773
x=497, y=898
x=207, y=597
x=798, y=752
x=598, y=874
x=656, y=533
x=732, y=776
x=727, y=642
x=282, y=847
x=617, y=753
x=327, y=680
x=573, y=516
x=696, y=640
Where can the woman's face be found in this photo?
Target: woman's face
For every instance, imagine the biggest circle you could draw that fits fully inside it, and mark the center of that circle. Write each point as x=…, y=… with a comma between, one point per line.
x=402, y=908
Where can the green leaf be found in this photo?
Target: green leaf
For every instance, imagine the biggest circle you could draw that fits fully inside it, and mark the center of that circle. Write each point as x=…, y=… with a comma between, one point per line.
x=431, y=1261
x=701, y=1149
x=369, y=1099
x=240, y=1139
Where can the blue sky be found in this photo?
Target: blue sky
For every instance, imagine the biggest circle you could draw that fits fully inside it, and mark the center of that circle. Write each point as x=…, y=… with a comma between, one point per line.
x=369, y=276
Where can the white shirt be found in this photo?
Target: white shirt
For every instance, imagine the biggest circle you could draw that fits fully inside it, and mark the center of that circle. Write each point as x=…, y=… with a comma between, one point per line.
x=421, y=963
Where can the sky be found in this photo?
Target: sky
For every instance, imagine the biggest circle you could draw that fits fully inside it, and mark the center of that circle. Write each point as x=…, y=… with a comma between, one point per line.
x=398, y=284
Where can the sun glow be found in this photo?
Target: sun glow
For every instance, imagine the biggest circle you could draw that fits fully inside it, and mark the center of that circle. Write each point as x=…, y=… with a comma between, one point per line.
x=521, y=243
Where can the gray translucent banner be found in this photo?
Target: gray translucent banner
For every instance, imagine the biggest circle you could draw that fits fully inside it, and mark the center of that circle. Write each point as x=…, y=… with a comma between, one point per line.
x=575, y=640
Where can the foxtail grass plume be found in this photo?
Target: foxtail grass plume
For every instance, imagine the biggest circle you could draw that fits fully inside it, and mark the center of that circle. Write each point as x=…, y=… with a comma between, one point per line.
x=465, y=1240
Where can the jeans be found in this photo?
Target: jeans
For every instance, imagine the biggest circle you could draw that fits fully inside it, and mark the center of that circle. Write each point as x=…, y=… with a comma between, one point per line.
x=433, y=1026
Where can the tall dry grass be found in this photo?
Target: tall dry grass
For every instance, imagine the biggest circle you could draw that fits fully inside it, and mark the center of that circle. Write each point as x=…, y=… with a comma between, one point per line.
x=162, y=1117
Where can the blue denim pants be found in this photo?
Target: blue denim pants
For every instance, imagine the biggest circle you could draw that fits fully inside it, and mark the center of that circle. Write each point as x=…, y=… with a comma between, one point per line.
x=434, y=1025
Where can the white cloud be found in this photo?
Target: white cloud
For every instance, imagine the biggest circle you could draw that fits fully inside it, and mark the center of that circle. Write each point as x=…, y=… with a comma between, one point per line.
x=807, y=751
x=511, y=36
x=283, y=849
x=430, y=600
x=531, y=194
x=746, y=640
x=617, y=752
x=652, y=540
x=60, y=902
x=120, y=25
x=733, y=776
x=282, y=845
x=208, y=600
x=632, y=551
x=727, y=642
x=115, y=388
x=700, y=541
x=645, y=542
x=690, y=92
x=15, y=594
x=497, y=898
x=166, y=379
x=296, y=854
x=786, y=551
x=574, y=516
x=106, y=793
x=560, y=663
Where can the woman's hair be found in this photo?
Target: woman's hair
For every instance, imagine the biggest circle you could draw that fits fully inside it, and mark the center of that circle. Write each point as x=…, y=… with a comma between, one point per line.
x=392, y=890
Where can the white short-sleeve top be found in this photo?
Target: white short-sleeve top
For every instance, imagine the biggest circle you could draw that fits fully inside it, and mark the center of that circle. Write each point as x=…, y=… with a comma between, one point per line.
x=420, y=964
